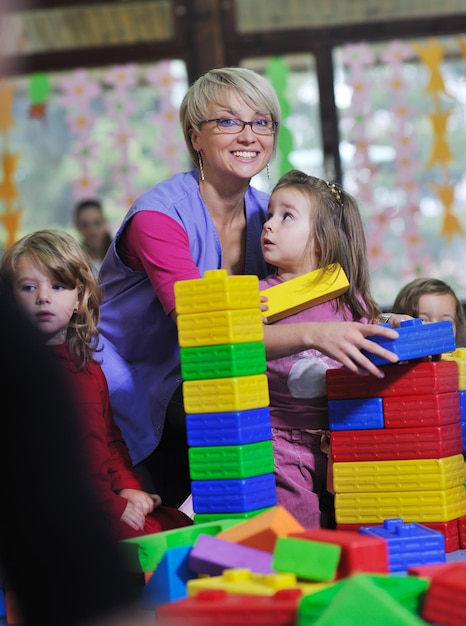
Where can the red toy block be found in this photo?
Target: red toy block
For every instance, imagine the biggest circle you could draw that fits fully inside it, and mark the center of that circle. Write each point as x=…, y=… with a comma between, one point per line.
x=13, y=610
x=359, y=553
x=445, y=600
x=215, y=607
x=462, y=531
x=433, y=442
x=450, y=531
x=404, y=379
x=421, y=411
x=428, y=571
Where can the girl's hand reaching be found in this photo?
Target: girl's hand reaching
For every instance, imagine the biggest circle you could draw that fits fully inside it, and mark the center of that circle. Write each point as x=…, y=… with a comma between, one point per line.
x=342, y=341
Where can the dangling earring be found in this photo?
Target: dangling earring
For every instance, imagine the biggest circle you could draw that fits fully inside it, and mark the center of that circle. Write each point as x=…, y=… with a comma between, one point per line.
x=268, y=171
x=201, y=169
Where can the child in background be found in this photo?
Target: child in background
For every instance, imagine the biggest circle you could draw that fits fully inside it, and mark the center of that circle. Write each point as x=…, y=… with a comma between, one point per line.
x=432, y=300
x=48, y=275
x=310, y=224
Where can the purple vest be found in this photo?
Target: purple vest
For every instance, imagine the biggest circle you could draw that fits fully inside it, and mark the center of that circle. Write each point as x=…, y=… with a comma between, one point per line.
x=140, y=354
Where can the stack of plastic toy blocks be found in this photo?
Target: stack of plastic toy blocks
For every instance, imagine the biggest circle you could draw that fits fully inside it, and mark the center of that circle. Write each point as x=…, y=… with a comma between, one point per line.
x=459, y=355
x=225, y=395
x=396, y=442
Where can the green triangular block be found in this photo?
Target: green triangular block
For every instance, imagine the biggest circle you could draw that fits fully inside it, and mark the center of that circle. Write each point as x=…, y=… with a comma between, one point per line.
x=360, y=601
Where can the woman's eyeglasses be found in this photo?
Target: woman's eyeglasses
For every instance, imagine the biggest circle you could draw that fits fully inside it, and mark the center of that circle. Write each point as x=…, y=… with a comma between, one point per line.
x=233, y=125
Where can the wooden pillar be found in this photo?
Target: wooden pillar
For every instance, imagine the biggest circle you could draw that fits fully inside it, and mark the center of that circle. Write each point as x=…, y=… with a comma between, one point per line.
x=206, y=40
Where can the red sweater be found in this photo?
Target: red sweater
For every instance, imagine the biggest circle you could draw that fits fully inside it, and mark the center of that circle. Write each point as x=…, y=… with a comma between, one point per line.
x=106, y=453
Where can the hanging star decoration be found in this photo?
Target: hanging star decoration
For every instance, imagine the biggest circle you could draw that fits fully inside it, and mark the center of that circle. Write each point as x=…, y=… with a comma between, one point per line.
x=7, y=93
x=451, y=225
x=431, y=55
x=10, y=218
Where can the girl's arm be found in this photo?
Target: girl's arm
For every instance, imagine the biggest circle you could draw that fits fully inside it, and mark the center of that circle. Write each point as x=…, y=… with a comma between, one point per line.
x=342, y=341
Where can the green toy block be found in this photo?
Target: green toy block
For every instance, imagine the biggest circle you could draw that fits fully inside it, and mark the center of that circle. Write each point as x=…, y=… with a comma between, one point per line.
x=203, y=518
x=407, y=590
x=241, y=461
x=143, y=554
x=311, y=560
x=233, y=359
x=359, y=601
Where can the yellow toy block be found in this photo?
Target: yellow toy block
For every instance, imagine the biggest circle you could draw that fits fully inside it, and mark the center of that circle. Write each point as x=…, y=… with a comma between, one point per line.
x=411, y=506
x=220, y=327
x=225, y=394
x=395, y=475
x=304, y=292
x=243, y=581
x=263, y=530
x=217, y=291
x=458, y=355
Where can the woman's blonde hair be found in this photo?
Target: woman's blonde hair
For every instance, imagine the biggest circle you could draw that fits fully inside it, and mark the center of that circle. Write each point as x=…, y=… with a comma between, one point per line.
x=61, y=255
x=340, y=238
x=255, y=90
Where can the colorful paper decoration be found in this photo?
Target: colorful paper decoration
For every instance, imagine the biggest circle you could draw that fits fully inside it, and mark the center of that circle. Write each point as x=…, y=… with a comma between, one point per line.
x=39, y=90
x=10, y=218
x=277, y=72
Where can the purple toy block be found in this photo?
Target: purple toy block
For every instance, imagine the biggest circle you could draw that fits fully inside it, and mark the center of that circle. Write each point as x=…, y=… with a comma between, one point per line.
x=211, y=556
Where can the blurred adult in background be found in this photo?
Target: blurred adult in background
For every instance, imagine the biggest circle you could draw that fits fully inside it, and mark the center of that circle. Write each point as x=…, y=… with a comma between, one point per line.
x=91, y=223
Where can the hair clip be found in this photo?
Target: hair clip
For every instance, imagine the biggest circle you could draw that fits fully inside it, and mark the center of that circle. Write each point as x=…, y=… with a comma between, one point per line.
x=336, y=192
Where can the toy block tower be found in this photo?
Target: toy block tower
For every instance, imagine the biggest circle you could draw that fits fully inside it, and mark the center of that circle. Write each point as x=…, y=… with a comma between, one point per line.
x=459, y=355
x=225, y=395
x=396, y=442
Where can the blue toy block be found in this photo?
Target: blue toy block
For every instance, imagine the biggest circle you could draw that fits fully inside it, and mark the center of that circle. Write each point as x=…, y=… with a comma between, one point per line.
x=409, y=545
x=2, y=604
x=211, y=556
x=416, y=340
x=462, y=395
x=229, y=428
x=234, y=495
x=168, y=581
x=357, y=414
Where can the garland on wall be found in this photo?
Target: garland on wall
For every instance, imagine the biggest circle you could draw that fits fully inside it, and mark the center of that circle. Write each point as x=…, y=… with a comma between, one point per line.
x=87, y=100
x=401, y=206
x=9, y=194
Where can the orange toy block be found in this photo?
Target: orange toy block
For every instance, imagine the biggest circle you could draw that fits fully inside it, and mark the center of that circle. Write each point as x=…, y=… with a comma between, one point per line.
x=304, y=292
x=262, y=531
